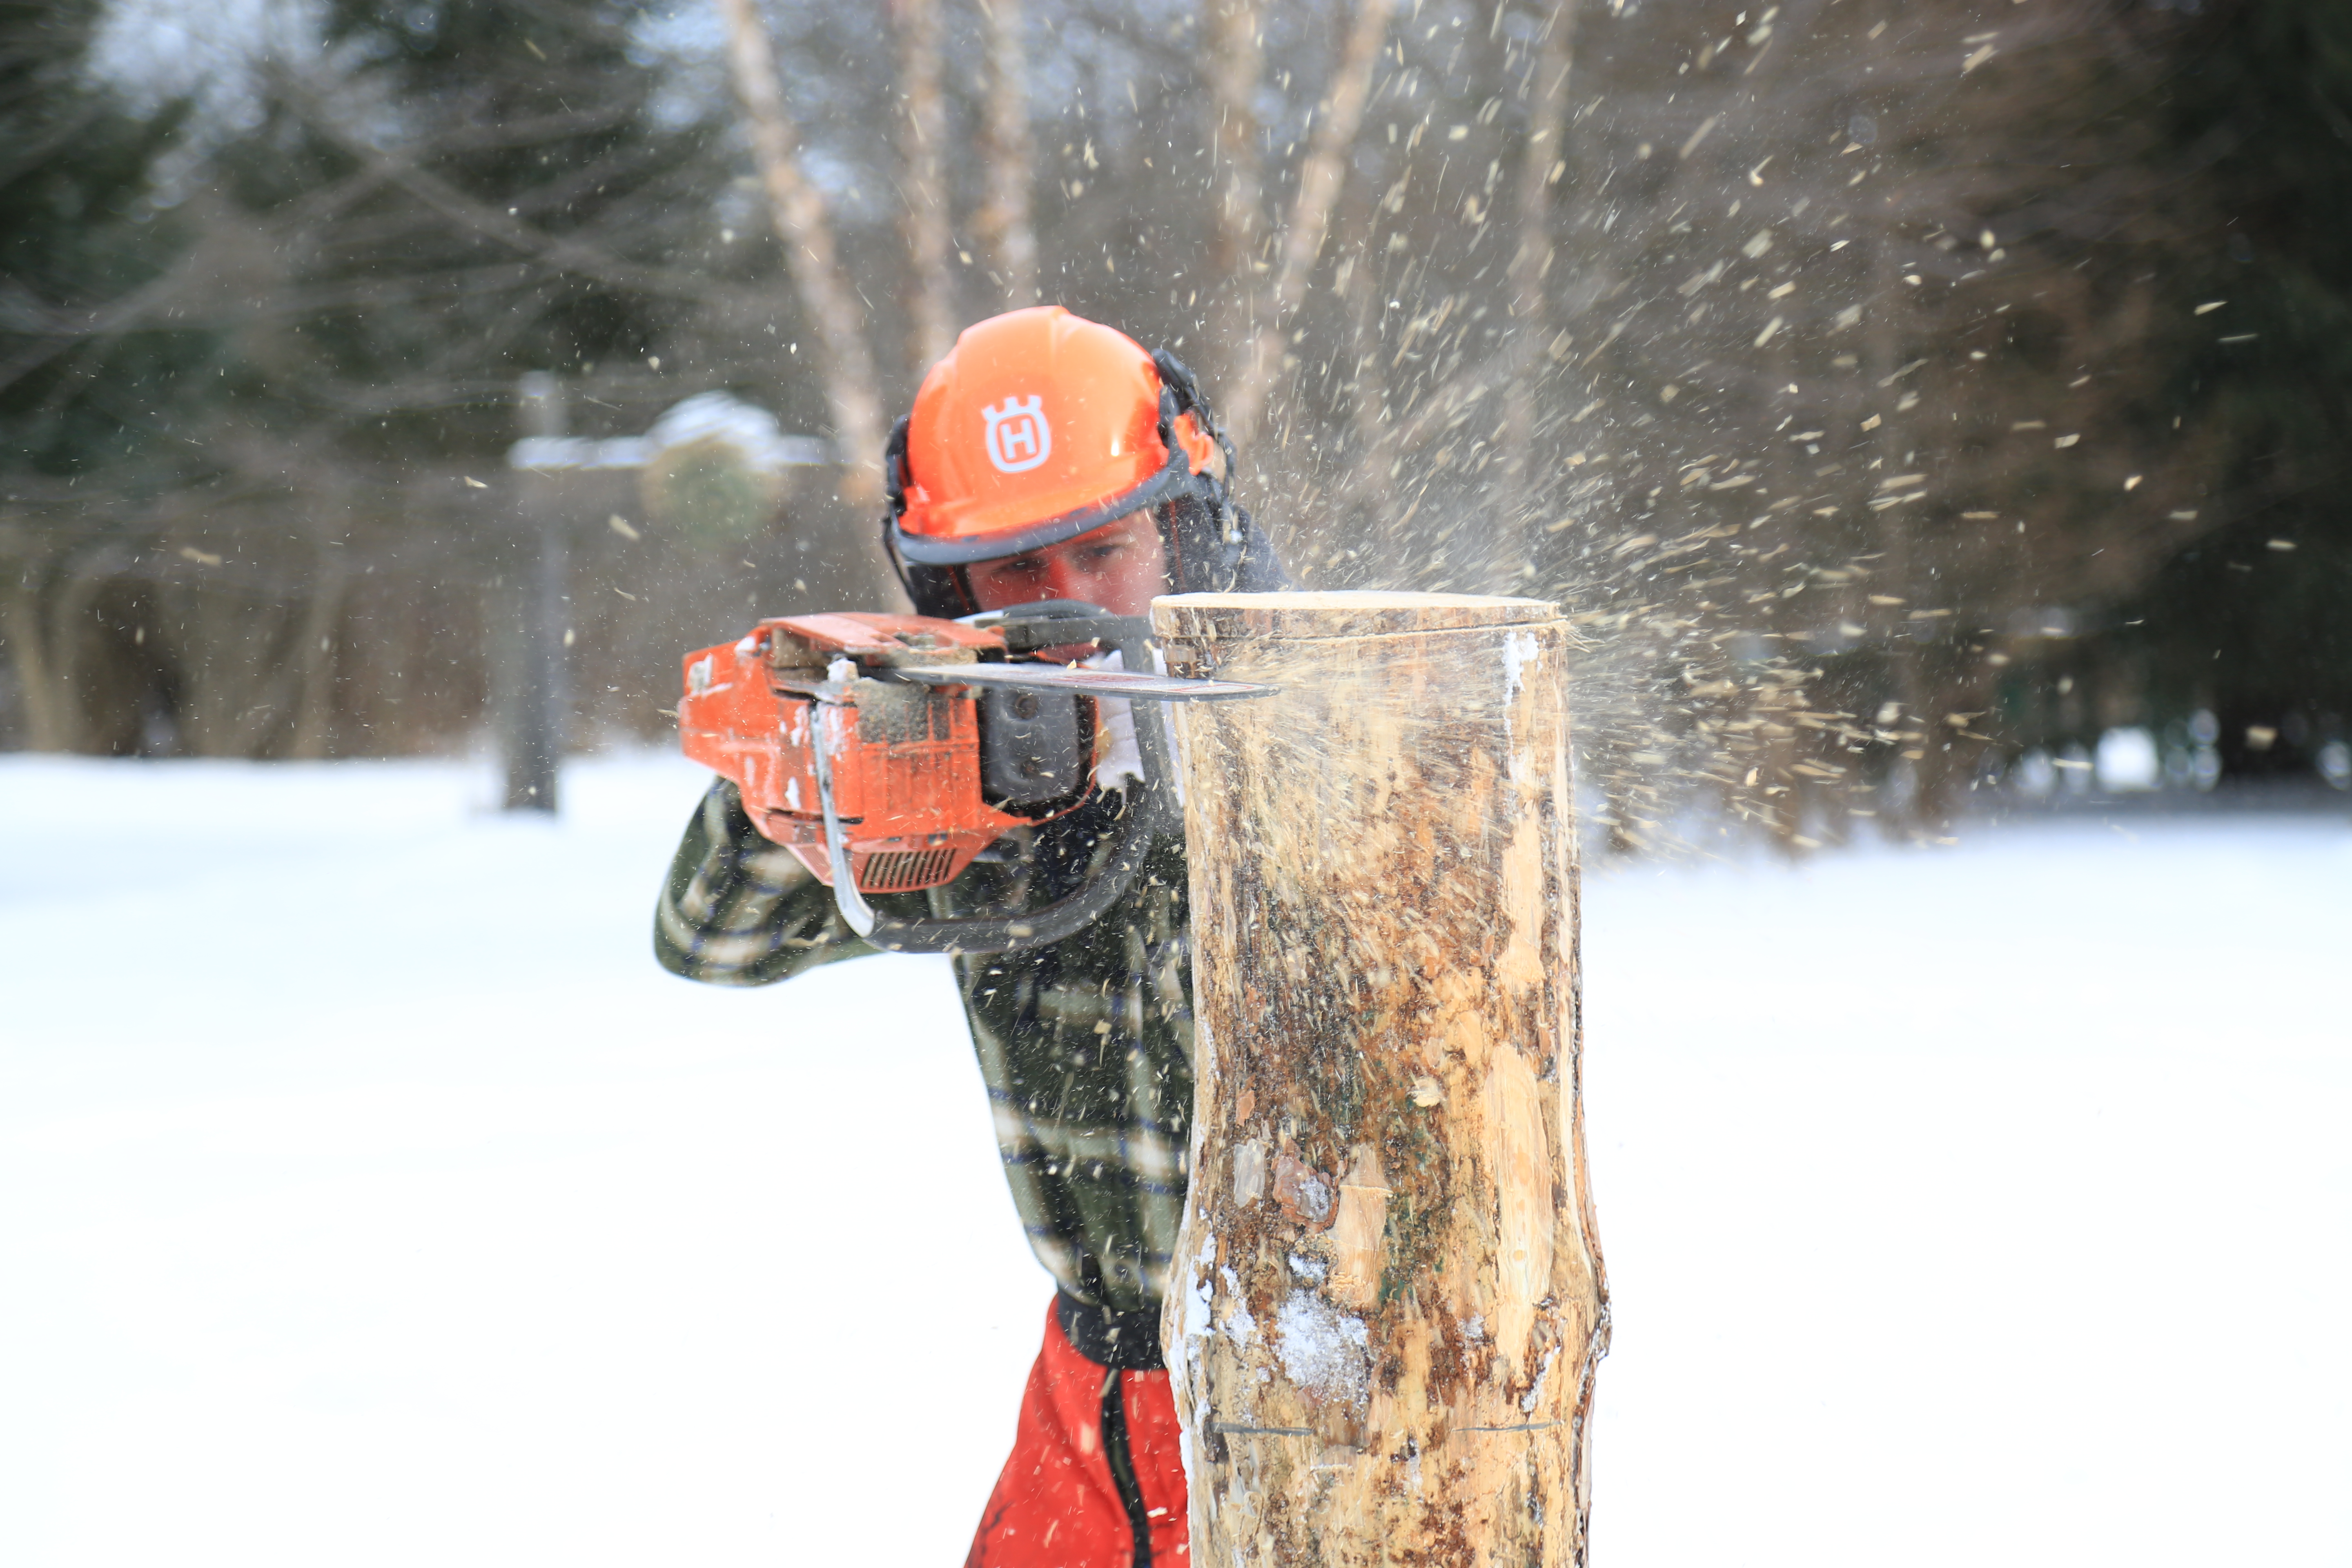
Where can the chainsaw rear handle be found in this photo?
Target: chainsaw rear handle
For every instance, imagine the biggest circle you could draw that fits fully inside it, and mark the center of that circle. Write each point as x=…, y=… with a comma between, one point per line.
x=1147, y=812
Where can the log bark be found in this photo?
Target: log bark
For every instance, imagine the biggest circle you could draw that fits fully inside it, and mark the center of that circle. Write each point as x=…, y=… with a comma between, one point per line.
x=1389, y=1299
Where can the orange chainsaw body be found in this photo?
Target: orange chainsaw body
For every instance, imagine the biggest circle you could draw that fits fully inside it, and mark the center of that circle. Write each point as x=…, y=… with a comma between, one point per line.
x=905, y=758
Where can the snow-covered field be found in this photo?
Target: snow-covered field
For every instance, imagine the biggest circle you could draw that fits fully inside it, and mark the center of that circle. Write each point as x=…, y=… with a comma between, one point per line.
x=367, y=1196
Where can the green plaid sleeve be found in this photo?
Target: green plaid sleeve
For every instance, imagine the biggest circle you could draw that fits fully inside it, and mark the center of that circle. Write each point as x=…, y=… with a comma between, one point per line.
x=738, y=910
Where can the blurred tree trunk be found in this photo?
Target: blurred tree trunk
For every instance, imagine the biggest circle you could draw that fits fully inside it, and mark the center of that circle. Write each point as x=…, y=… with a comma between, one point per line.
x=1320, y=177
x=1897, y=571
x=314, y=657
x=1007, y=235
x=1542, y=163
x=1359, y=513
x=228, y=697
x=829, y=305
x=1236, y=48
x=68, y=621
x=923, y=135
x=50, y=707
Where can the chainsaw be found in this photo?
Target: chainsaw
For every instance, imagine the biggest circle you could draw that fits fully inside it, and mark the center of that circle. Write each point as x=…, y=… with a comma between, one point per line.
x=887, y=751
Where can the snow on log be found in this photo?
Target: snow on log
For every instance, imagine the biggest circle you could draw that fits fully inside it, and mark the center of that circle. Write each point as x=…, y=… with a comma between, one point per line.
x=1389, y=1298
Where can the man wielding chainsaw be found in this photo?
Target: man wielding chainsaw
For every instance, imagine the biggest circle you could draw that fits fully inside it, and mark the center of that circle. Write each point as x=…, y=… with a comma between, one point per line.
x=1046, y=458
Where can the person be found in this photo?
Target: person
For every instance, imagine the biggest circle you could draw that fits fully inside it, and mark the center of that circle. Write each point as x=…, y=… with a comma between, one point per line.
x=1047, y=457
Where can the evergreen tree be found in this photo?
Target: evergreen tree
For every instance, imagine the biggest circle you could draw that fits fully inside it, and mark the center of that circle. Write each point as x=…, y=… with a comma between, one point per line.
x=2250, y=621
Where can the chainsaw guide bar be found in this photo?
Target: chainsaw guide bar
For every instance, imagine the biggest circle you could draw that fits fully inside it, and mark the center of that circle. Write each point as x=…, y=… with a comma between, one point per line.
x=1092, y=682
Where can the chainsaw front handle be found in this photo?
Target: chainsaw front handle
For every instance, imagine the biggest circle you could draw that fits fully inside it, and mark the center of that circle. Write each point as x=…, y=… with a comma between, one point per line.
x=1151, y=809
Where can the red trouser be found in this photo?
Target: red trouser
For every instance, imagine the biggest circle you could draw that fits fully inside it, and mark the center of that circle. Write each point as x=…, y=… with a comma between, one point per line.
x=1095, y=1479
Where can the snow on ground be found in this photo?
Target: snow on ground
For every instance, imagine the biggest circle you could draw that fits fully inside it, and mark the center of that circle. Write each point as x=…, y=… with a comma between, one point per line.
x=368, y=1196
x=1991, y=1205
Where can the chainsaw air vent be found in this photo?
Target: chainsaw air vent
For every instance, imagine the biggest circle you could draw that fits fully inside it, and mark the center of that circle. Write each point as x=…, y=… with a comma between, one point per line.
x=900, y=871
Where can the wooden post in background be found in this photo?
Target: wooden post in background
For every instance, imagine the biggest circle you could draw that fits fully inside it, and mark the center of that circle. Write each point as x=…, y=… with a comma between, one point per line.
x=1388, y=1300
x=531, y=670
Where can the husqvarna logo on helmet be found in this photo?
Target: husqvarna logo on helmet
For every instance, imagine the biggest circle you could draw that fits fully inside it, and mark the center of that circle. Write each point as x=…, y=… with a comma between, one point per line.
x=1018, y=437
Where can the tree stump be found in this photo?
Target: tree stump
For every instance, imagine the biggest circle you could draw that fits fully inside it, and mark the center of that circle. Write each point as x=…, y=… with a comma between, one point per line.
x=1388, y=1300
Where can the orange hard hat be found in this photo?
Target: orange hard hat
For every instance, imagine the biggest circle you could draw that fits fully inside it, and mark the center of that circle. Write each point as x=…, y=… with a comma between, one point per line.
x=1037, y=426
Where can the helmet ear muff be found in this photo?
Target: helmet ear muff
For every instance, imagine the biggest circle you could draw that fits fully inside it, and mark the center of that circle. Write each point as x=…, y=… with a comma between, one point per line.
x=1177, y=377
x=1212, y=545
x=1179, y=392
x=938, y=591
x=933, y=590
x=894, y=468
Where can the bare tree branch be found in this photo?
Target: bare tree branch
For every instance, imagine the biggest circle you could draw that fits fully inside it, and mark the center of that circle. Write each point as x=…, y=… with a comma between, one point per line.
x=570, y=253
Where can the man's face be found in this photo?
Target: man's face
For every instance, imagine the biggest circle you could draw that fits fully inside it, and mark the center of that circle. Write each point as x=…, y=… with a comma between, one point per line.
x=1120, y=566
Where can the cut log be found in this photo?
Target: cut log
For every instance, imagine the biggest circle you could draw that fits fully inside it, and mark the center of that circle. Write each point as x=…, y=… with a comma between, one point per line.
x=1388, y=1299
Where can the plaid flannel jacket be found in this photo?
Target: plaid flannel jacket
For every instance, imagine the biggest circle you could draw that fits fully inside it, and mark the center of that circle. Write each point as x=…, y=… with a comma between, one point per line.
x=1085, y=1045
